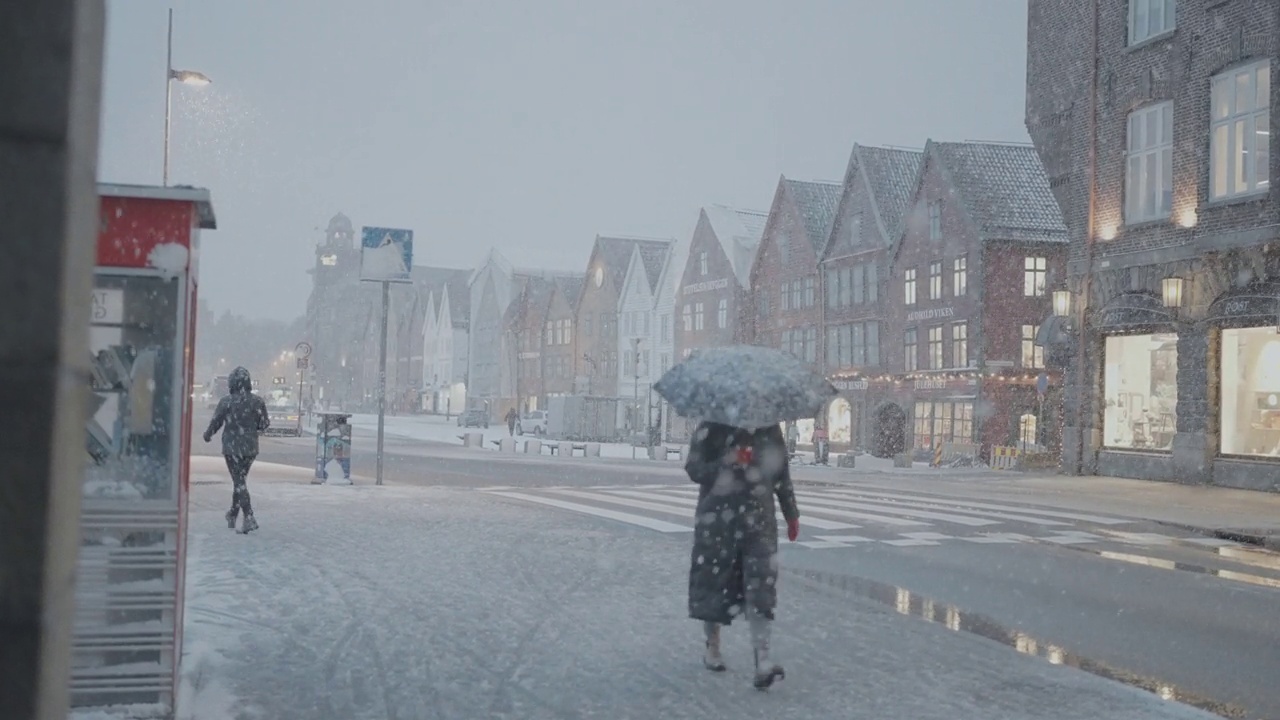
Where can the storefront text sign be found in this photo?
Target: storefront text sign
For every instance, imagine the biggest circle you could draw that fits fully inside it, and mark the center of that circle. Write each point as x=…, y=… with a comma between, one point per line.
x=705, y=286
x=940, y=383
x=930, y=314
x=845, y=385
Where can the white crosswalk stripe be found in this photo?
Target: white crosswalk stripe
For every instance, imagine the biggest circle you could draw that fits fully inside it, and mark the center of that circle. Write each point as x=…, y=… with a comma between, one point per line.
x=897, y=519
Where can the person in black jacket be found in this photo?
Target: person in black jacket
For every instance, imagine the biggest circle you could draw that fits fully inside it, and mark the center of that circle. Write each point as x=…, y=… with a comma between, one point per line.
x=241, y=416
x=733, y=567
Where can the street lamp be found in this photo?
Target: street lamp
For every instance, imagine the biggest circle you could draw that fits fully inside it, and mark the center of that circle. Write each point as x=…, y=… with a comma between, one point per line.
x=186, y=77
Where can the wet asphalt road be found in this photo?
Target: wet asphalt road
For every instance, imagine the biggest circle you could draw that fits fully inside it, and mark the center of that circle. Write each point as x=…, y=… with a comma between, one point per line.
x=1141, y=609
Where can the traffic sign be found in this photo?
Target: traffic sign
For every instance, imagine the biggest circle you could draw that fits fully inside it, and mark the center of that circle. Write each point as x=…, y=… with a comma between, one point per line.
x=303, y=350
x=302, y=363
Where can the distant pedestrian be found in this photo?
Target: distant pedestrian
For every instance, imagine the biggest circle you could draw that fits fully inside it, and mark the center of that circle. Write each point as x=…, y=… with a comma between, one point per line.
x=512, y=418
x=241, y=416
x=793, y=438
x=733, y=568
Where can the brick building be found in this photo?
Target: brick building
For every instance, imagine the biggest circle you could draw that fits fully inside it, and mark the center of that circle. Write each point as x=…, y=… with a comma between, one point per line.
x=877, y=185
x=526, y=332
x=1154, y=120
x=981, y=242
x=713, y=289
x=784, y=274
x=713, y=306
x=598, y=312
x=559, y=339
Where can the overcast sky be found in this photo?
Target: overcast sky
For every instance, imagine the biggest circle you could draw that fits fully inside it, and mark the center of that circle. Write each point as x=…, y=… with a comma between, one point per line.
x=529, y=126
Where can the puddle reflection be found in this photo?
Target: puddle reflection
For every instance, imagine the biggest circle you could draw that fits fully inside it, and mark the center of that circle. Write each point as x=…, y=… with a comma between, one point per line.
x=906, y=603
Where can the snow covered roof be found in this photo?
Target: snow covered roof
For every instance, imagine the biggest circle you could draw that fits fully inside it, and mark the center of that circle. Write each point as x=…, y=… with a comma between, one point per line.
x=739, y=232
x=817, y=202
x=1005, y=190
x=891, y=176
x=571, y=287
x=614, y=254
x=654, y=258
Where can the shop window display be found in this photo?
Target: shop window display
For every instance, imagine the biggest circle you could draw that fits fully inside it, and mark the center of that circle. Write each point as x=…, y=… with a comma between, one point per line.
x=1251, y=392
x=942, y=422
x=840, y=421
x=1140, y=391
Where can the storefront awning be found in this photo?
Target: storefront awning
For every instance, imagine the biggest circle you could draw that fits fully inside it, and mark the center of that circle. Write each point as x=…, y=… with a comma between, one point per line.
x=1253, y=306
x=1135, y=312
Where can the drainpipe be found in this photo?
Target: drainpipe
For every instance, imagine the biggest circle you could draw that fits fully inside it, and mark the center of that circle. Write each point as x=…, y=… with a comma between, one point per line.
x=1082, y=343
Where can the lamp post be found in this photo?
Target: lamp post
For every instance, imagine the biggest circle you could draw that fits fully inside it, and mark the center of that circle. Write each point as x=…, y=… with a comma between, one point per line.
x=186, y=77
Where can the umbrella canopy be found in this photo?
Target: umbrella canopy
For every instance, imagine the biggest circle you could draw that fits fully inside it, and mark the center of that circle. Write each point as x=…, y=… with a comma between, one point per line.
x=745, y=386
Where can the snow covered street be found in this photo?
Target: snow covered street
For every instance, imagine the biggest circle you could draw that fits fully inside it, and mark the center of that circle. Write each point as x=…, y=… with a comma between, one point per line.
x=425, y=602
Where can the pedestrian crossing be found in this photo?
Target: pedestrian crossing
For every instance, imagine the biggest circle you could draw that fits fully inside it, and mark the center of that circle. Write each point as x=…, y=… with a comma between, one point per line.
x=842, y=517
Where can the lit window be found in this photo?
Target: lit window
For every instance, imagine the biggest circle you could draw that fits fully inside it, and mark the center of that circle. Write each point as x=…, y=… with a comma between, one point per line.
x=697, y=316
x=1240, y=132
x=1250, y=403
x=1149, y=18
x=1035, y=276
x=960, y=276
x=1032, y=354
x=935, y=348
x=909, y=286
x=960, y=345
x=935, y=281
x=1140, y=391
x=687, y=317
x=1148, y=191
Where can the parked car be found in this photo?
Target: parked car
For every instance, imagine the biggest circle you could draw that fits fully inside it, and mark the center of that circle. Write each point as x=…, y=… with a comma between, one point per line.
x=285, y=419
x=474, y=418
x=532, y=422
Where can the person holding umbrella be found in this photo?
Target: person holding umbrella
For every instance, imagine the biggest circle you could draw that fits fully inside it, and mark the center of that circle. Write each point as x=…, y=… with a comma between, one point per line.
x=733, y=568
x=741, y=394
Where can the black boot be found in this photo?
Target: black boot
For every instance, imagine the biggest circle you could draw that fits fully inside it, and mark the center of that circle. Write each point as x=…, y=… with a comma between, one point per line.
x=767, y=671
x=231, y=517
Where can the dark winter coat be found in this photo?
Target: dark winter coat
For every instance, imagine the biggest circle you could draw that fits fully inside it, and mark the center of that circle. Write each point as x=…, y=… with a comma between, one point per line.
x=243, y=414
x=735, y=540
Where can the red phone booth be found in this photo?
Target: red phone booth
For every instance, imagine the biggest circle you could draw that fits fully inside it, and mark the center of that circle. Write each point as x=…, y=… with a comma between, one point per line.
x=127, y=638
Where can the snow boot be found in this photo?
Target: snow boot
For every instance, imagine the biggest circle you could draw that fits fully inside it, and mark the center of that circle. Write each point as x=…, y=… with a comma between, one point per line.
x=767, y=672
x=712, y=659
x=249, y=524
x=231, y=518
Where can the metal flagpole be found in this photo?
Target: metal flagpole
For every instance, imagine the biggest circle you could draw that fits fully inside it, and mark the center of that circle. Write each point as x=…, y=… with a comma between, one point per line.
x=382, y=373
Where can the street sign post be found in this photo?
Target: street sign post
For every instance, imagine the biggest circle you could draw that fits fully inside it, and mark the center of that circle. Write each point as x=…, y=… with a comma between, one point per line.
x=386, y=256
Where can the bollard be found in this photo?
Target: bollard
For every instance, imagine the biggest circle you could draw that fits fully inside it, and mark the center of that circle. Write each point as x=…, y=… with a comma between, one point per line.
x=507, y=445
x=533, y=447
x=592, y=450
x=473, y=440
x=847, y=460
x=565, y=449
x=937, y=456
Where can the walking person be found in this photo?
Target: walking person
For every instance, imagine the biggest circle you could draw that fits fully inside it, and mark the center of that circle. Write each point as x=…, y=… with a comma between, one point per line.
x=512, y=418
x=241, y=416
x=733, y=567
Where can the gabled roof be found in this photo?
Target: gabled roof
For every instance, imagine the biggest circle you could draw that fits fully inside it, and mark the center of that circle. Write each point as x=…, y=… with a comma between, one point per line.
x=739, y=232
x=654, y=258
x=817, y=202
x=890, y=175
x=614, y=254
x=459, y=287
x=570, y=287
x=1004, y=189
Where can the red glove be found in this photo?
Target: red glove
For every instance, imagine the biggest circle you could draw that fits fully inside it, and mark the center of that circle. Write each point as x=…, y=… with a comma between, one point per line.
x=793, y=529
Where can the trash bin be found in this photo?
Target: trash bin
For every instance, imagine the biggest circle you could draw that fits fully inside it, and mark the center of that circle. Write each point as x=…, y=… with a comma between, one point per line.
x=333, y=442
